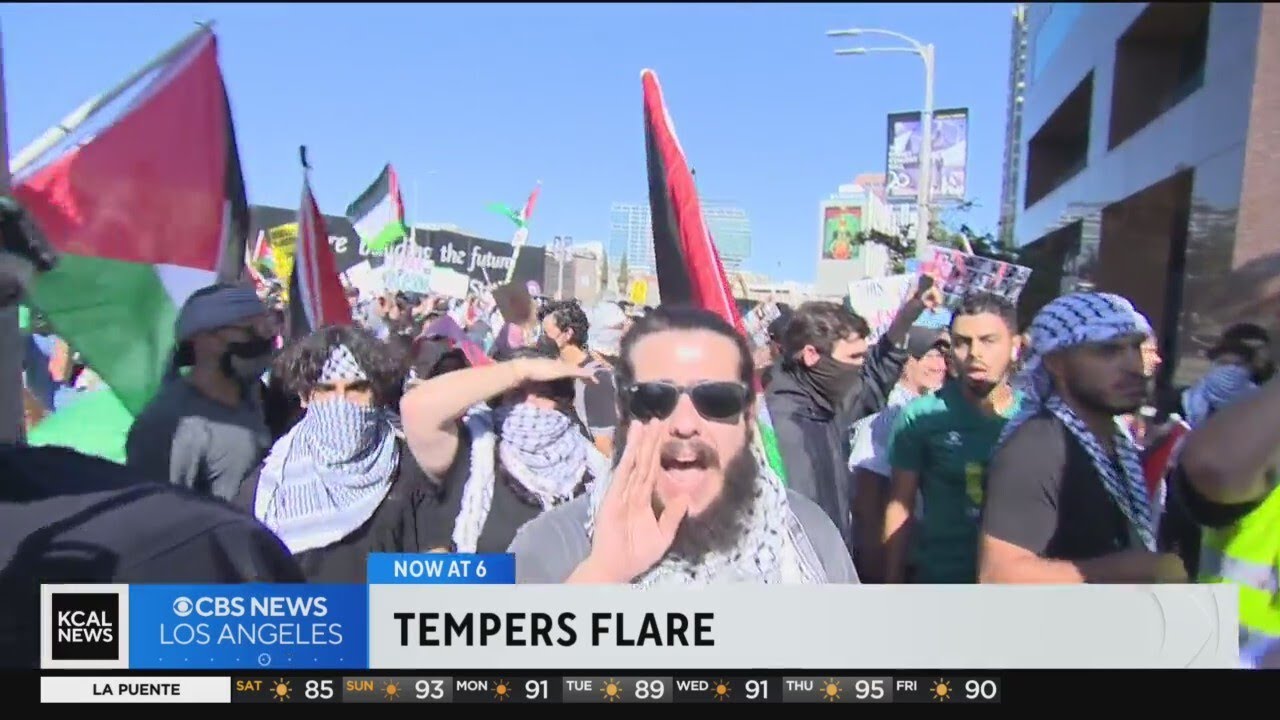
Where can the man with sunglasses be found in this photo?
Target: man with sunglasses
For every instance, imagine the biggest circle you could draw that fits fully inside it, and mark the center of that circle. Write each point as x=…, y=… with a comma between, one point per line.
x=688, y=501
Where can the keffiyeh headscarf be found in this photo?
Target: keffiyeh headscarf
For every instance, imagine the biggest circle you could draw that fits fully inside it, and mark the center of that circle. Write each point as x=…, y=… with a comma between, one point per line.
x=774, y=549
x=327, y=475
x=1076, y=319
x=540, y=448
x=1220, y=387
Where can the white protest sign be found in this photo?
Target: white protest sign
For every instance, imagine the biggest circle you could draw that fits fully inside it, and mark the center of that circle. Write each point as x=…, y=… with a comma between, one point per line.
x=877, y=300
x=408, y=268
x=449, y=283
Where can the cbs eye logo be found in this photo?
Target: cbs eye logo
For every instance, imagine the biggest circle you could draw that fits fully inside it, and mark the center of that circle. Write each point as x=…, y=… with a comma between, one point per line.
x=182, y=607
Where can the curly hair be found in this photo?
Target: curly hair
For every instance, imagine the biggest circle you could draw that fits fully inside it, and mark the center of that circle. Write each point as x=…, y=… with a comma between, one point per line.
x=568, y=315
x=300, y=364
x=820, y=324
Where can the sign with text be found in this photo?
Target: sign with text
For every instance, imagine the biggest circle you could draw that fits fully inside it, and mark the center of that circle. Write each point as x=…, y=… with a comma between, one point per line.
x=877, y=300
x=958, y=274
x=949, y=159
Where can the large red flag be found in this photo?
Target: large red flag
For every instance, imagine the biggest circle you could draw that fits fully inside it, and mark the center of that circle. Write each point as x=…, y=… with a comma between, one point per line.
x=316, y=296
x=688, y=265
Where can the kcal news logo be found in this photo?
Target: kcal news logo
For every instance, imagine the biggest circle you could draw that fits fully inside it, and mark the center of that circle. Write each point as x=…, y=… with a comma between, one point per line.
x=86, y=626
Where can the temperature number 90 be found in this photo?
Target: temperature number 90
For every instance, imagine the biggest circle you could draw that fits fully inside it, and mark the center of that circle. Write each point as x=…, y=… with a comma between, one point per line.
x=981, y=690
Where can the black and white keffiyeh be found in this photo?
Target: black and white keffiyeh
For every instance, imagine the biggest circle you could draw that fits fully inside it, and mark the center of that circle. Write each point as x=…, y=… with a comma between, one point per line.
x=341, y=365
x=540, y=448
x=1077, y=319
x=774, y=549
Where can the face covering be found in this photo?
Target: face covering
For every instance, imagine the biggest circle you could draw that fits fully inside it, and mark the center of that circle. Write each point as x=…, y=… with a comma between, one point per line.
x=831, y=380
x=336, y=430
x=247, y=361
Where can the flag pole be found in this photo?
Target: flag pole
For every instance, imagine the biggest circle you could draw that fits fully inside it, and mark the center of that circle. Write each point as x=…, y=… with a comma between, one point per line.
x=90, y=107
x=12, y=349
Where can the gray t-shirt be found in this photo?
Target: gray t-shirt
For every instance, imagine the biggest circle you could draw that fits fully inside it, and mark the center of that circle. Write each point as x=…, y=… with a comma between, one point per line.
x=191, y=440
x=549, y=547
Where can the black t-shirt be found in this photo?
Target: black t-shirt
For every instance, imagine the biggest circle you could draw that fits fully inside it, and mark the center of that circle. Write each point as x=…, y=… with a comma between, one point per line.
x=510, y=509
x=1044, y=495
x=599, y=398
x=398, y=525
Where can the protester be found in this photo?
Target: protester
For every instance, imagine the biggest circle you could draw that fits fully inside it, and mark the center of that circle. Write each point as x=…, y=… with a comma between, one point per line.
x=1234, y=496
x=924, y=373
x=687, y=503
x=565, y=333
x=830, y=378
x=1065, y=497
x=503, y=444
x=207, y=430
x=340, y=485
x=939, y=447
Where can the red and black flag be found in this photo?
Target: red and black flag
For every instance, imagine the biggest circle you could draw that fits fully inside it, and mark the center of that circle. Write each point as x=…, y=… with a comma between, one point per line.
x=316, y=295
x=688, y=266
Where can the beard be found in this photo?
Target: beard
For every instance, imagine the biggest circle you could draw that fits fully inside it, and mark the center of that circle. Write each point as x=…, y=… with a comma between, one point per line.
x=1096, y=401
x=722, y=524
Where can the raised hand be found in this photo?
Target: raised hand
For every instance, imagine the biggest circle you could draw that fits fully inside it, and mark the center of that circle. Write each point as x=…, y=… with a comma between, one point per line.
x=629, y=538
x=928, y=293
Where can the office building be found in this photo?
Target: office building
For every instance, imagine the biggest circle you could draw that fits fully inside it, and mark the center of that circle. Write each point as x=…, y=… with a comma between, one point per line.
x=631, y=233
x=1148, y=163
x=843, y=217
x=1013, y=125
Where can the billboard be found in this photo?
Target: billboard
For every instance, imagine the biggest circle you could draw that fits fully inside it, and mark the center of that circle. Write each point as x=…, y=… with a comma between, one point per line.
x=950, y=155
x=841, y=228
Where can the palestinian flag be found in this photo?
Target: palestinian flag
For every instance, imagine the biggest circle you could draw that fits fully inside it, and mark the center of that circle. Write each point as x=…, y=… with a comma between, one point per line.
x=378, y=214
x=687, y=263
x=145, y=213
x=520, y=219
x=316, y=297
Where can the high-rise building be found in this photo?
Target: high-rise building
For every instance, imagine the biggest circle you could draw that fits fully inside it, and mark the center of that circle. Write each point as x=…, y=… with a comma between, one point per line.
x=631, y=233
x=843, y=218
x=1013, y=124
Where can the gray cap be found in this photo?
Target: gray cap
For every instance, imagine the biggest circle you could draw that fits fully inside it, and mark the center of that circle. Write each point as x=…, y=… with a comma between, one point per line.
x=216, y=307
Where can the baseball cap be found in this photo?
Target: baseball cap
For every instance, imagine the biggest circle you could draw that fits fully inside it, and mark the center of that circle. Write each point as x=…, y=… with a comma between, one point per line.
x=920, y=340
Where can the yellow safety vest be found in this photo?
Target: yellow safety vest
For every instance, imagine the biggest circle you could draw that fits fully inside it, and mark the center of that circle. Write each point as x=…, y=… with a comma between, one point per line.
x=1247, y=554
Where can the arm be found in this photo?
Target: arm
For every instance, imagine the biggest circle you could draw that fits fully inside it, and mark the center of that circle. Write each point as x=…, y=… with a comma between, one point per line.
x=431, y=410
x=1251, y=428
x=907, y=459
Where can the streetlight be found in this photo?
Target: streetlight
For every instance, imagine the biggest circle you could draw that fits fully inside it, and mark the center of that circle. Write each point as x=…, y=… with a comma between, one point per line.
x=560, y=248
x=924, y=189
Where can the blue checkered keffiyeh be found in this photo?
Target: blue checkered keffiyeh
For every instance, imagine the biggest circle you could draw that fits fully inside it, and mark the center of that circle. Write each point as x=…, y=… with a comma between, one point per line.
x=1077, y=319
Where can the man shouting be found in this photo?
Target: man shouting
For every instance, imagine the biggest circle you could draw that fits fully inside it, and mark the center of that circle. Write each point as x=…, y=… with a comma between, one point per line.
x=688, y=501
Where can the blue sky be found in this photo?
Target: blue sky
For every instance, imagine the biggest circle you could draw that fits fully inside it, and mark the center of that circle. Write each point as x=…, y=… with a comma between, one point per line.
x=475, y=103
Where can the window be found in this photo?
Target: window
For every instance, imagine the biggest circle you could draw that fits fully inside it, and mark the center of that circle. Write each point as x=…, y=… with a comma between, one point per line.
x=1160, y=61
x=1060, y=148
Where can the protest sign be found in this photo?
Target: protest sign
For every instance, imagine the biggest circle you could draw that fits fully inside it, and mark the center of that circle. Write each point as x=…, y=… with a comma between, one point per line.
x=407, y=268
x=449, y=283
x=958, y=273
x=877, y=300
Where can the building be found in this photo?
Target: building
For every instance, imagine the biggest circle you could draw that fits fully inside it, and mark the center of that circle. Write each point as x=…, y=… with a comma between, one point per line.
x=1013, y=125
x=842, y=219
x=1148, y=163
x=631, y=233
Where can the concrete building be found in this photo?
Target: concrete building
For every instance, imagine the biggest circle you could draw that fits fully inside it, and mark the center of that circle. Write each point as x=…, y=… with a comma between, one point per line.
x=631, y=233
x=1149, y=162
x=1013, y=125
x=842, y=218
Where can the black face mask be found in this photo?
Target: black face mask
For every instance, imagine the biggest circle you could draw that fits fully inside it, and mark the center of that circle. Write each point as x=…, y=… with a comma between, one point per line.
x=247, y=361
x=831, y=380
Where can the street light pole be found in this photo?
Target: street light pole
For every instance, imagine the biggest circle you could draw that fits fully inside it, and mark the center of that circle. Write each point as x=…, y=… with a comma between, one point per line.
x=560, y=247
x=924, y=178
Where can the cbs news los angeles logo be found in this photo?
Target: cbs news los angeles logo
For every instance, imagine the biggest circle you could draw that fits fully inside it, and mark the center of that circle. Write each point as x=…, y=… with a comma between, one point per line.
x=84, y=626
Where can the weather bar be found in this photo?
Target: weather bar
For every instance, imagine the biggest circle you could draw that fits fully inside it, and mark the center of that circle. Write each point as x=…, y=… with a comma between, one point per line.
x=520, y=688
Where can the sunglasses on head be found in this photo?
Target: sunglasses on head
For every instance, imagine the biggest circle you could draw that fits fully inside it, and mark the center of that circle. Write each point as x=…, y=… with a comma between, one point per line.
x=714, y=400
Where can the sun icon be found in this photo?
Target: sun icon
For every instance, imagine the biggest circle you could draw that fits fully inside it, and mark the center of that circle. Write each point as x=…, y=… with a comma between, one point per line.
x=612, y=690
x=502, y=692
x=831, y=690
x=722, y=690
x=941, y=690
x=281, y=692
x=391, y=690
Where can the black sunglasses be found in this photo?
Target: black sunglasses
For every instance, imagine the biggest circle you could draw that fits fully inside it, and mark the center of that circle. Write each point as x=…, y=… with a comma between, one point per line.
x=714, y=400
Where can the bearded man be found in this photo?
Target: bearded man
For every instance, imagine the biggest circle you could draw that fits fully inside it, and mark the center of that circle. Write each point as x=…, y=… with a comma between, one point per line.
x=688, y=501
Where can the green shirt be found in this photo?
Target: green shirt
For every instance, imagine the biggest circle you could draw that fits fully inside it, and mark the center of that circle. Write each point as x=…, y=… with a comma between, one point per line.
x=948, y=441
